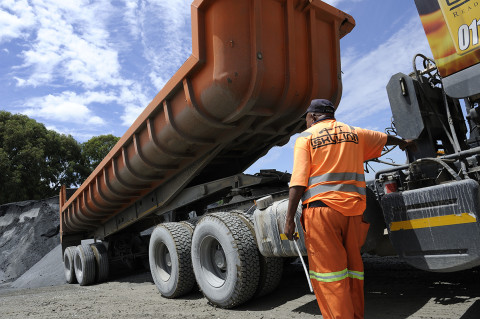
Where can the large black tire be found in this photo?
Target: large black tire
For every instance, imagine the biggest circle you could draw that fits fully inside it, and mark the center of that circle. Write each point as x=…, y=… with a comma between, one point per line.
x=170, y=260
x=68, y=265
x=271, y=270
x=84, y=262
x=101, y=262
x=191, y=223
x=225, y=259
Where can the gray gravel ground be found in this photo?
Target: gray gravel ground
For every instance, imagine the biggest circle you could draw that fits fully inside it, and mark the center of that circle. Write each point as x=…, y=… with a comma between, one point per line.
x=393, y=290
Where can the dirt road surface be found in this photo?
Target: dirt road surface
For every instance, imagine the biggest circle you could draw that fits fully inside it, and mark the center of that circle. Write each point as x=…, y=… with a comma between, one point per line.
x=393, y=290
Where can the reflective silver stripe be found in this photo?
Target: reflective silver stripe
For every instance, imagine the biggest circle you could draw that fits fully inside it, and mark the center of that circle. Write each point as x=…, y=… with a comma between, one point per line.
x=336, y=276
x=333, y=188
x=356, y=275
x=333, y=177
x=329, y=277
x=305, y=134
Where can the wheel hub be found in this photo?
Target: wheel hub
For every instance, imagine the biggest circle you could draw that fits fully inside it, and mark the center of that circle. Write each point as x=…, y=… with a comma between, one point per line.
x=214, y=262
x=219, y=258
x=168, y=260
x=163, y=262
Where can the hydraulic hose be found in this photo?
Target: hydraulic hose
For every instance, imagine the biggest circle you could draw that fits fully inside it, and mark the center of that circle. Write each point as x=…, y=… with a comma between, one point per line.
x=441, y=162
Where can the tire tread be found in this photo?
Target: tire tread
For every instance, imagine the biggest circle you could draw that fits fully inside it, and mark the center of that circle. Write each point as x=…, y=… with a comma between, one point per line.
x=182, y=238
x=87, y=263
x=248, y=273
x=101, y=262
x=69, y=254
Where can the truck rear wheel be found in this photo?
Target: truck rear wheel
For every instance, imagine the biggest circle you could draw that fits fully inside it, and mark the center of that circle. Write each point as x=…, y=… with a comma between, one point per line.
x=84, y=262
x=68, y=265
x=170, y=260
x=225, y=259
x=271, y=270
x=101, y=262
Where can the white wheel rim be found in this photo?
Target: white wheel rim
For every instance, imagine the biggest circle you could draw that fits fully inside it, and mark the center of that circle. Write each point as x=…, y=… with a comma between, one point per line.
x=213, y=262
x=163, y=262
x=78, y=266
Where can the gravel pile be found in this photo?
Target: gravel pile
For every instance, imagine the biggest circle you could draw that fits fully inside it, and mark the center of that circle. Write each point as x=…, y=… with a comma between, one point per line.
x=29, y=231
x=47, y=272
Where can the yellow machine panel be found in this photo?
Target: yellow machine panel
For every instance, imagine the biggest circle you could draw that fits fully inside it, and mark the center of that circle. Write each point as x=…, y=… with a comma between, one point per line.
x=462, y=18
x=452, y=30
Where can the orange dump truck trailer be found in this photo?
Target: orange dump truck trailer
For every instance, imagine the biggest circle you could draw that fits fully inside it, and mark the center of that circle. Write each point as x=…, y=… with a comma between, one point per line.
x=172, y=191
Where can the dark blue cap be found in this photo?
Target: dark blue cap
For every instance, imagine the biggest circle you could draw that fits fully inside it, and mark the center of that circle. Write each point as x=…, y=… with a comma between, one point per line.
x=321, y=106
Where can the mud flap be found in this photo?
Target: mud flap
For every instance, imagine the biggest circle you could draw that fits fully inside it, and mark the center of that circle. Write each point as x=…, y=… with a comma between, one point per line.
x=436, y=228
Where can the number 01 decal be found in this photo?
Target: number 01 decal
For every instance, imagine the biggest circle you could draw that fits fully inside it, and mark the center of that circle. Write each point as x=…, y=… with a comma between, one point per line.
x=468, y=35
x=463, y=20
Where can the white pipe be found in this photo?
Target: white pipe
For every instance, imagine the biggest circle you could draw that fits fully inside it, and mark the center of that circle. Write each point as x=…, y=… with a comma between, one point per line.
x=304, y=267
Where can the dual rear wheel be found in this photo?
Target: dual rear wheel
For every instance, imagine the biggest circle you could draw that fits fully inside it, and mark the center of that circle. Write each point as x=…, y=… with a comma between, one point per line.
x=221, y=256
x=169, y=258
x=219, y=253
x=86, y=264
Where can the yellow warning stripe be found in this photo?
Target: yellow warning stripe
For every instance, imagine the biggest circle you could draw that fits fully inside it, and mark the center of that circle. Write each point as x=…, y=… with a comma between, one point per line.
x=433, y=222
x=284, y=237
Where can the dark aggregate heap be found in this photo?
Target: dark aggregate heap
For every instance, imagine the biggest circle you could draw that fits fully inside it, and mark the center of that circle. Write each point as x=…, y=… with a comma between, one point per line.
x=28, y=232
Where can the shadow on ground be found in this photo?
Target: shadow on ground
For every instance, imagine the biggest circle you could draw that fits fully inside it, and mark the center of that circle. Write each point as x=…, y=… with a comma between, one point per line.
x=393, y=290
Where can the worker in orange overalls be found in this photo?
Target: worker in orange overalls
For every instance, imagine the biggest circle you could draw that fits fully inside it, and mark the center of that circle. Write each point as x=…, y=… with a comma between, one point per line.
x=328, y=177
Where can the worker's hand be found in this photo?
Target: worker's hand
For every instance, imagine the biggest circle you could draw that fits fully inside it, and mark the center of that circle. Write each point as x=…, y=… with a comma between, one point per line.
x=409, y=144
x=290, y=230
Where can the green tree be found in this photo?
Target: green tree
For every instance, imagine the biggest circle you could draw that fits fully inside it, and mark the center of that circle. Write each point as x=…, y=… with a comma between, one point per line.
x=65, y=163
x=34, y=161
x=95, y=149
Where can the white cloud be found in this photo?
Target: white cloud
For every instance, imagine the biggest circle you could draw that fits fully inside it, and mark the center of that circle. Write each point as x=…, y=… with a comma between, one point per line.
x=366, y=76
x=20, y=82
x=71, y=42
x=336, y=2
x=16, y=16
x=84, y=46
x=68, y=107
x=157, y=79
x=166, y=41
x=65, y=111
x=134, y=102
x=130, y=114
x=131, y=17
x=332, y=2
x=166, y=44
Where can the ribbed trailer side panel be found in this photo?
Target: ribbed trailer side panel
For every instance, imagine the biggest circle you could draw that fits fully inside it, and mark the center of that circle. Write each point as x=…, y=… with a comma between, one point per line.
x=255, y=65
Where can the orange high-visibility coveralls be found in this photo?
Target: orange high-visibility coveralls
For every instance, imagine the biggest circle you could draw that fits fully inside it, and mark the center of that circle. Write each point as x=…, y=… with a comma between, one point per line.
x=328, y=161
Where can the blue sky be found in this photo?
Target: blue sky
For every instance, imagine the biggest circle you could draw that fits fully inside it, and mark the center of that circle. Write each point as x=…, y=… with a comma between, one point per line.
x=88, y=68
